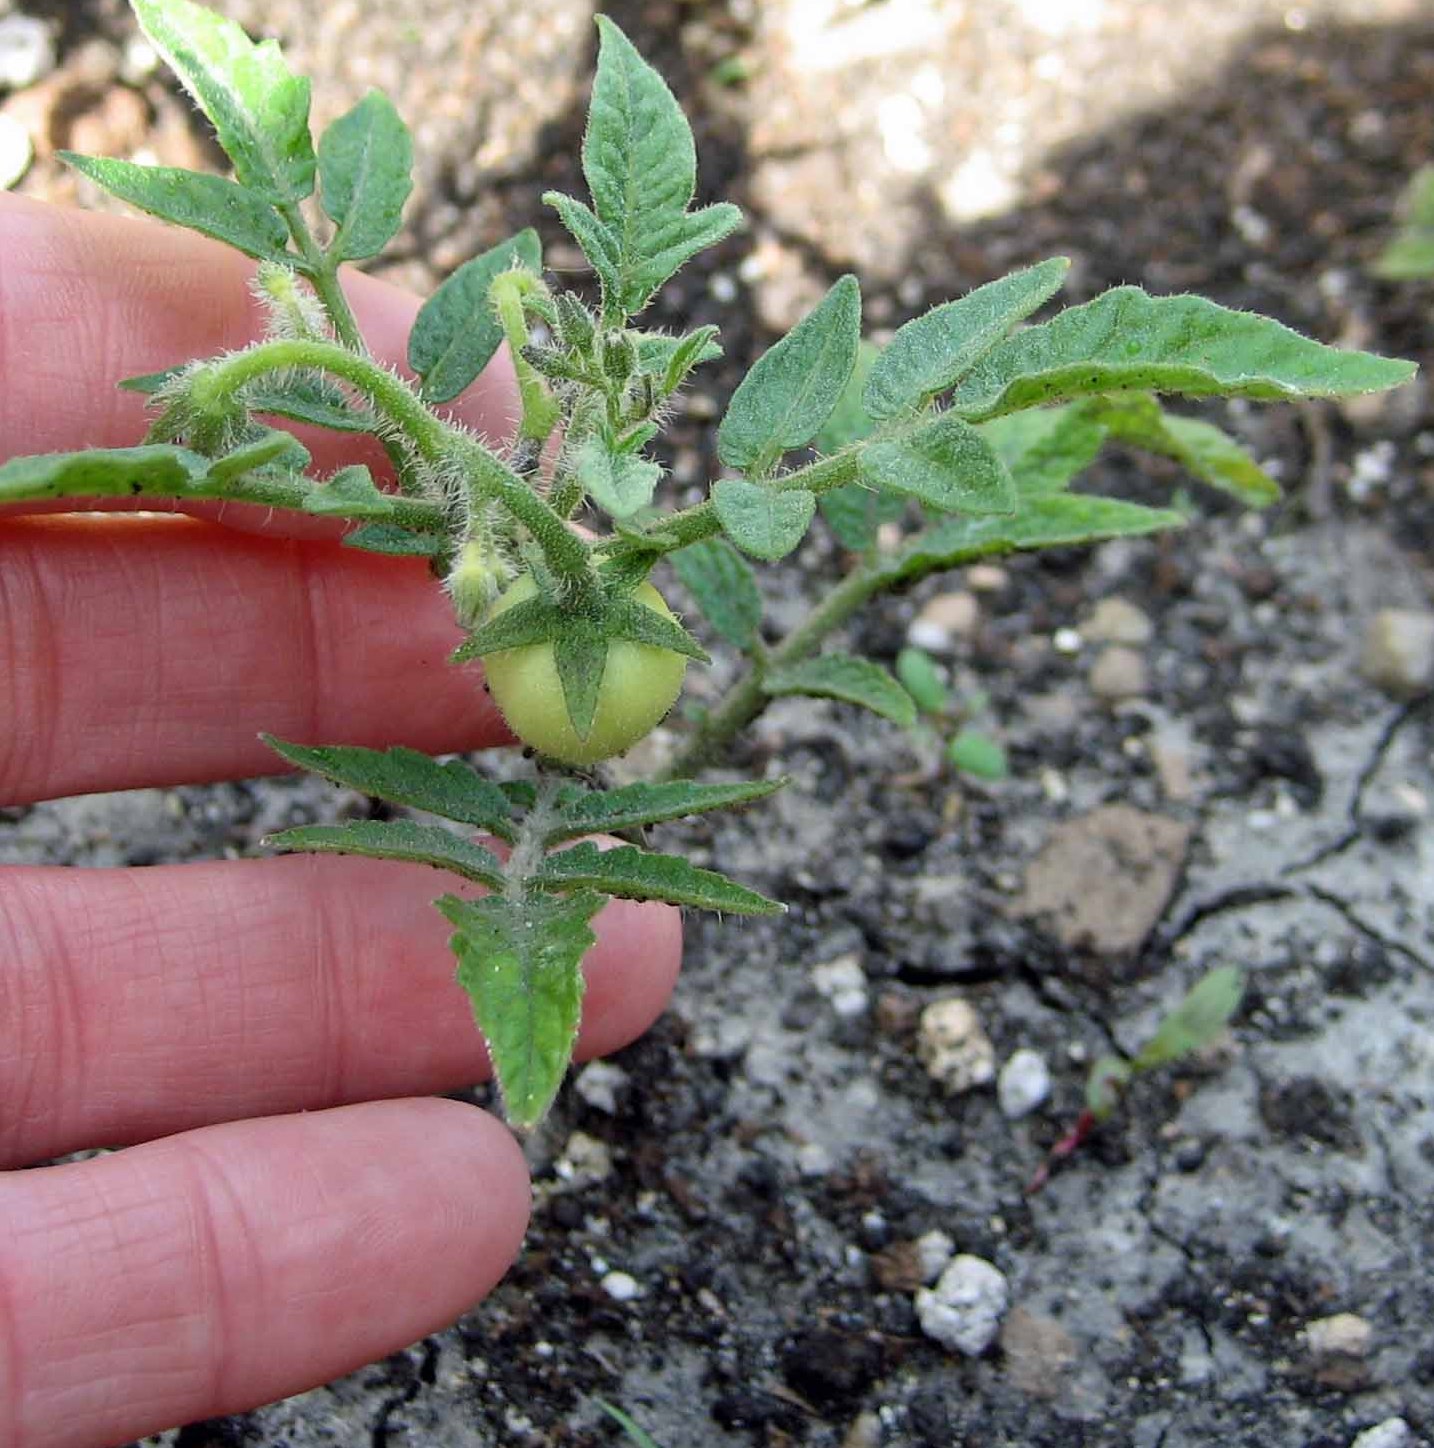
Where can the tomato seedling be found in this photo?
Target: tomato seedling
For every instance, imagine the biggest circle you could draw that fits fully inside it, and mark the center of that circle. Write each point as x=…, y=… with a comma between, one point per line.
x=958, y=440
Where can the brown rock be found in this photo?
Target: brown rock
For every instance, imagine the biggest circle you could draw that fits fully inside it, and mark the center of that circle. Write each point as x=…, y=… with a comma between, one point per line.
x=1038, y=1352
x=1103, y=879
x=898, y=1268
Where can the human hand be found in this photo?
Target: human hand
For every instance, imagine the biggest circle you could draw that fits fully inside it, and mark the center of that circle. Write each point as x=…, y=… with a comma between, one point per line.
x=247, y=1254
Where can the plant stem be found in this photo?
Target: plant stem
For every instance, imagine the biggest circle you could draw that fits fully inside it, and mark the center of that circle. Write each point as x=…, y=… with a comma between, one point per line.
x=323, y=273
x=746, y=698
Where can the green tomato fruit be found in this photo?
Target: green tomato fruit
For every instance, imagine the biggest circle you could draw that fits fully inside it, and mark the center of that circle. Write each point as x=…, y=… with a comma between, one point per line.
x=639, y=685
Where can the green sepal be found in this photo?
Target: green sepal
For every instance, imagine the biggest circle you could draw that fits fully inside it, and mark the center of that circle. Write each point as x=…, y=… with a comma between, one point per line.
x=402, y=840
x=521, y=965
x=931, y=352
x=946, y=464
x=628, y=619
x=580, y=658
x=210, y=205
x=534, y=621
x=633, y=874
x=847, y=678
x=455, y=790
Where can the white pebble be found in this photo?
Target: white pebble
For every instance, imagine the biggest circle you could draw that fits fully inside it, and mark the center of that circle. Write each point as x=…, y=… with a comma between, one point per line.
x=621, y=1286
x=1024, y=1083
x=843, y=982
x=954, y=1047
x=16, y=151
x=1067, y=641
x=1342, y=1335
x=934, y=1251
x=1391, y=1433
x=600, y=1084
x=1399, y=651
x=584, y=1162
x=27, y=51
x=964, y=1310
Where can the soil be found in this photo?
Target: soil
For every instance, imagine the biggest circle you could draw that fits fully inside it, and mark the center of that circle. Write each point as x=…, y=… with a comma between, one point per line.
x=765, y=1161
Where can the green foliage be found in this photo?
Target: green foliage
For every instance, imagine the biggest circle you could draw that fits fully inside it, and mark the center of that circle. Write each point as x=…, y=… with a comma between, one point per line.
x=966, y=435
x=1410, y=255
x=636, y=1435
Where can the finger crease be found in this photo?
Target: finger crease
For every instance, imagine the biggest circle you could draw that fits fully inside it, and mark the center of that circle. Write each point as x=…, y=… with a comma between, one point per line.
x=11, y=1357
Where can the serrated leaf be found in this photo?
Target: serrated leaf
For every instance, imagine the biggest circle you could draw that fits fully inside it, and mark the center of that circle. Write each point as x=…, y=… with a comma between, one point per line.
x=521, y=965
x=259, y=109
x=856, y=512
x=793, y=387
x=365, y=166
x=153, y=470
x=598, y=244
x=396, y=542
x=1060, y=520
x=723, y=586
x=404, y=776
x=618, y=483
x=456, y=332
x=641, y=168
x=1210, y=454
x=1045, y=449
x=633, y=874
x=403, y=840
x=269, y=447
x=931, y=352
x=649, y=804
x=850, y=421
x=300, y=397
x=1197, y=1020
x=207, y=204
x=763, y=521
x=946, y=464
x=849, y=679
x=1108, y=1078
x=1127, y=341
x=353, y=493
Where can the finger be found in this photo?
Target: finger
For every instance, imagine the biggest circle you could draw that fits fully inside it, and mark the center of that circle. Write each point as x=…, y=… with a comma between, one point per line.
x=87, y=299
x=228, y=1267
x=147, y=1001
x=140, y=651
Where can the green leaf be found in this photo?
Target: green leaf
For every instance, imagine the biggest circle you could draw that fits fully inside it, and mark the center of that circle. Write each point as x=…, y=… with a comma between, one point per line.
x=850, y=679
x=763, y=521
x=1044, y=449
x=856, y=512
x=618, y=483
x=850, y=421
x=1126, y=341
x=1109, y=1076
x=404, y=776
x=1212, y=455
x=1410, y=256
x=641, y=168
x=922, y=680
x=978, y=755
x=365, y=161
x=637, y=1435
x=456, y=332
x=1197, y=1020
x=269, y=447
x=672, y=358
x=598, y=244
x=397, y=840
x=154, y=470
x=946, y=464
x=1060, y=520
x=633, y=874
x=207, y=204
x=793, y=387
x=300, y=397
x=352, y=492
x=259, y=109
x=521, y=965
x=931, y=352
x=649, y=804
x=723, y=586
x=390, y=539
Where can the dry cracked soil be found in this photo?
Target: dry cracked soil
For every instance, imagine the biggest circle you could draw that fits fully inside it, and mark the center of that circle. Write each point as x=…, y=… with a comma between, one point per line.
x=1201, y=772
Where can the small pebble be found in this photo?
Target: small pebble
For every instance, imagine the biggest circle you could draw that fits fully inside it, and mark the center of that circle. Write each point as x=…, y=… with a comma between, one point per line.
x=944, y=620
x=934, y=1251
x=1119, y=673
x=964, y=1310
x=585, y=1161
x=1399, y=651
x=1067, y=641
x=16, y=151
x=1024, y=1083
x=621, y=1286
x=843, y=982
x=1343, y=1335
x=954, y=1047
x=986, y=578
x=1391, y=1433
x=1117, y=621
x=601, y=1085
x=27, y=51
x=865, y=1432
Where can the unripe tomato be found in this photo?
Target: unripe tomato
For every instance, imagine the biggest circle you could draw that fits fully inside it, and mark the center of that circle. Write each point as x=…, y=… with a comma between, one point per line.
x=639, y=685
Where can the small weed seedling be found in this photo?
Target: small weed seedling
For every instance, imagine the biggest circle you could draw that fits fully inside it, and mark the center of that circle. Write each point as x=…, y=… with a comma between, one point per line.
x=969, y=750
x=1195, y=1023
x=1410, y=255
x=969, y=430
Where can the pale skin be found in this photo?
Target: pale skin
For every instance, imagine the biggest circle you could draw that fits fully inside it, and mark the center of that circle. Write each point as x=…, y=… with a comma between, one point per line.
x=261, y=1034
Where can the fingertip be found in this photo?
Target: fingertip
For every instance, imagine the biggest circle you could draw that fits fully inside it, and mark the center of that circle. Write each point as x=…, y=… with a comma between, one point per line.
x=631, y=973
